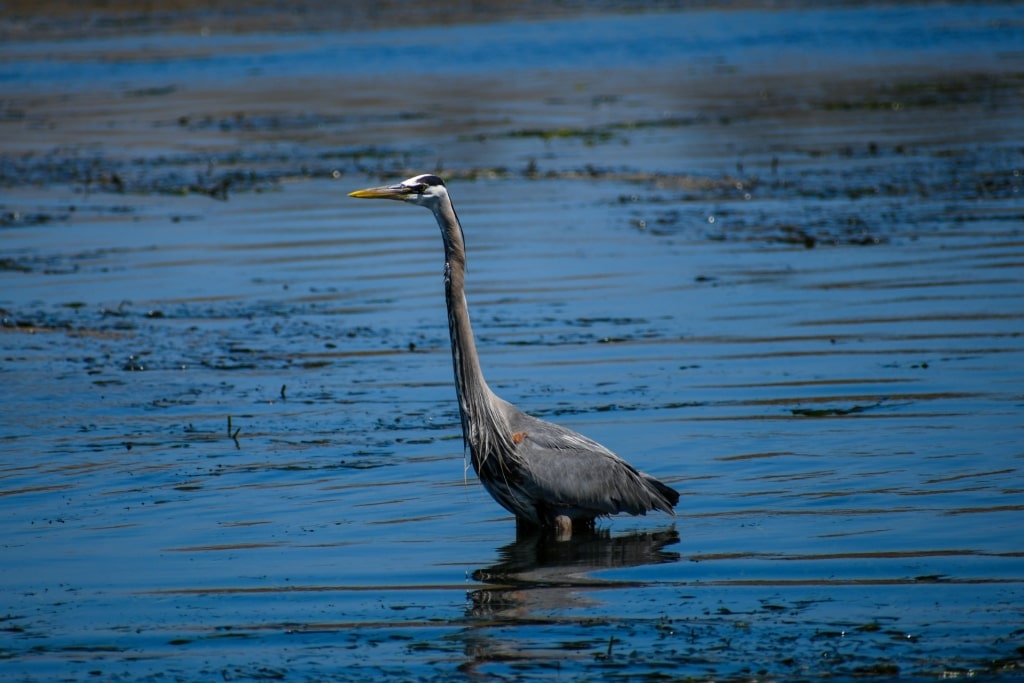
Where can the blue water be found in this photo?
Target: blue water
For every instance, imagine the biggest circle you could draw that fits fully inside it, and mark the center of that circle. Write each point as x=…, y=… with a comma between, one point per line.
x=780, y=270
x=750, y=40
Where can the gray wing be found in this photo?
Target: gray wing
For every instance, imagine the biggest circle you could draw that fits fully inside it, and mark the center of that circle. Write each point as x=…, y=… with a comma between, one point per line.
x=574, y=475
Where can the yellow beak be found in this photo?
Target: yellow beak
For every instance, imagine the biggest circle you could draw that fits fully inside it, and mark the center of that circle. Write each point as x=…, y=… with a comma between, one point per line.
x=389, y=192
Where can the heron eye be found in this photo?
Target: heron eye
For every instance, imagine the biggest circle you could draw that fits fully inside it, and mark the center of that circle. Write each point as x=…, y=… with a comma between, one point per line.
x=420, y=188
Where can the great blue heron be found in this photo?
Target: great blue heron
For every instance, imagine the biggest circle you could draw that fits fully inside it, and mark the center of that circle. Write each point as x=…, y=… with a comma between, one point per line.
x=543, y=473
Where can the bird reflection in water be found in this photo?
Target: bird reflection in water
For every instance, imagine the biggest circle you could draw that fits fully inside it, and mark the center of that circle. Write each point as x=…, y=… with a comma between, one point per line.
x=539, y=573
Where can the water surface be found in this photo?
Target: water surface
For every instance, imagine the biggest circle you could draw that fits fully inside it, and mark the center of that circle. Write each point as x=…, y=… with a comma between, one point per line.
x=775, y=263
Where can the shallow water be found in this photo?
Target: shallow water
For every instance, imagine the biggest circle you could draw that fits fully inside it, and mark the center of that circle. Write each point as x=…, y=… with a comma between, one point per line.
x=790, y=288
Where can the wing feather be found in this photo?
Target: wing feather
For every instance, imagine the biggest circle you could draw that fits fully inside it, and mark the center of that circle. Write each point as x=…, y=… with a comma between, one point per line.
x=577, y=476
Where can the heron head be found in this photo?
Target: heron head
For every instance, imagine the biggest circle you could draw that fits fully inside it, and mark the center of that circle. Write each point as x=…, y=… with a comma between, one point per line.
x=425, y=190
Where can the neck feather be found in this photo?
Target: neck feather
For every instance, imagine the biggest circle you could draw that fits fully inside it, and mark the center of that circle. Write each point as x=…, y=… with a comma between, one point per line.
x=484, y=428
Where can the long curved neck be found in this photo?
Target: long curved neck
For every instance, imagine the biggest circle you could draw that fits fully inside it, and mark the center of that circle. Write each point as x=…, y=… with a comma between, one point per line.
x=481, y=423
x=469, y=378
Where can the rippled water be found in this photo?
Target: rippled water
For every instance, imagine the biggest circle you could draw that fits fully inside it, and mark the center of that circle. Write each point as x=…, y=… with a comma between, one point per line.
x=229, y=444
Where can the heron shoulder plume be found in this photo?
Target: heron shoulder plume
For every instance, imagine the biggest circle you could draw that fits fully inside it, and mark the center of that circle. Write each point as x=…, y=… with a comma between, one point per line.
x=545, y=474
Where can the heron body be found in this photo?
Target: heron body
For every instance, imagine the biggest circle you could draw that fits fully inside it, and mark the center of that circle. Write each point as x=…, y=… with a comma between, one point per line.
x=543, y=473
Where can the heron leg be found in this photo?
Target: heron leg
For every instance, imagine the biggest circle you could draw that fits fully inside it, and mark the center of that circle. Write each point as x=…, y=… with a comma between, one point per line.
x=525, y=527
x=563, y=528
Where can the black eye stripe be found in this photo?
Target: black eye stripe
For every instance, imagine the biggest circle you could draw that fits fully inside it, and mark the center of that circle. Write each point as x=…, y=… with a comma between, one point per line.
x=430, y=180
x=422, y=184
